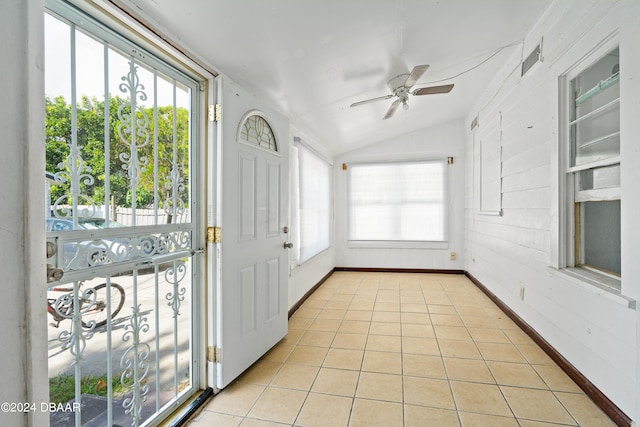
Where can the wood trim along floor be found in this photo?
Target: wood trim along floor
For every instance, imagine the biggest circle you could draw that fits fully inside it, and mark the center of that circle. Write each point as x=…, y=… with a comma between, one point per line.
x=301, y=301
x=398, y=270
x=599, y=398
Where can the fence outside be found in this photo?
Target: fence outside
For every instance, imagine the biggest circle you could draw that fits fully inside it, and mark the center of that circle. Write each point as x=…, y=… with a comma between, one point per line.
x=143, y=216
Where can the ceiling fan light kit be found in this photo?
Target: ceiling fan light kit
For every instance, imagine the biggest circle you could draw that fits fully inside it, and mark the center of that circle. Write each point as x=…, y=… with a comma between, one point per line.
x=400, y=87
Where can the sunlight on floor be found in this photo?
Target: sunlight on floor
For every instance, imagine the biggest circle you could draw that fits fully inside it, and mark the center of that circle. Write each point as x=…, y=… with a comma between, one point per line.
x=402, y=349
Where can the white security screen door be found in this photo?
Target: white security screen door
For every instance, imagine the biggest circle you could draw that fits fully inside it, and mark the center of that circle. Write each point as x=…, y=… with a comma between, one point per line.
x=252, y=298
x=123, y=226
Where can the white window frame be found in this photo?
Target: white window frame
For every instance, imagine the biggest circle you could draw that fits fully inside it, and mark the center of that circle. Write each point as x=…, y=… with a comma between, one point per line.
x=255, y=144
x=305, y=249
x=402, y=244
x=569, y=192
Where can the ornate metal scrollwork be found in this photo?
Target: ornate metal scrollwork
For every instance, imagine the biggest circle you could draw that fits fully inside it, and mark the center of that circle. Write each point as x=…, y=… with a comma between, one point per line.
x=174, y=276
x=133, y=129
x=93, y=253
x=72, y=306
x=175, y=184
x=74, y=170
x=135, y=365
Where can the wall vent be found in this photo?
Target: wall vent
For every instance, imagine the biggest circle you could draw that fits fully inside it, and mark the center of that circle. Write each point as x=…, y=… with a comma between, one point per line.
x=532, y=59
x=474, y=123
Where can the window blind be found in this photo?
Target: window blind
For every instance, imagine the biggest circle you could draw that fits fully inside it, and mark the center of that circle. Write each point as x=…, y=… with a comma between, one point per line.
x=401, y=201
x=313, y=204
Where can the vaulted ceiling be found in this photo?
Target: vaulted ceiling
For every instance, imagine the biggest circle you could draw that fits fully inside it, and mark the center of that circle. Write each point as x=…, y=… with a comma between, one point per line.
x=312, y=59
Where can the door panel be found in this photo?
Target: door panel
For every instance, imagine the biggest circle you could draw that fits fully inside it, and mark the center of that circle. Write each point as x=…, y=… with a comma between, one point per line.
x=273, y=199
x=247, y=192
x=252, y=294
x=272, y=301
x=248, y=303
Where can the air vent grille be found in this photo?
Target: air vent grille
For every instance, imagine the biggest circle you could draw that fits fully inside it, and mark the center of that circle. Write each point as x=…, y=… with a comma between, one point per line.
x=532, y=59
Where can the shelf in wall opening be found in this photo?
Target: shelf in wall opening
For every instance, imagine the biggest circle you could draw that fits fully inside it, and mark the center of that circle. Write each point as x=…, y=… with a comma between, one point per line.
x=596, y=164
x=596, y=111
x=604, y=84
x=598, y=140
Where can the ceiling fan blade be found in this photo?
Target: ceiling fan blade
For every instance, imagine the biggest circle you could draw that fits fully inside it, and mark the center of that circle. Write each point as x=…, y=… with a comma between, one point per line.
x=433, y=90
x=415, y=75
x=366, y=101
x=392, y=109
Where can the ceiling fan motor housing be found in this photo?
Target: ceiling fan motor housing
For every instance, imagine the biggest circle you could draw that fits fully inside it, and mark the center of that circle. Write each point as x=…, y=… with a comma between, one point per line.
x=400, y=87
x=396, y=84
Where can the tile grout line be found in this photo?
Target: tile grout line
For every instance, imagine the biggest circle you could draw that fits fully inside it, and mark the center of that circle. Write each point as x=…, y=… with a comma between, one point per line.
x=398, y=286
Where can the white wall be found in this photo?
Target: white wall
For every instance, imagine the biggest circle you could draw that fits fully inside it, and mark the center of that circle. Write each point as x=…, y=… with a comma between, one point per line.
x=594, y=329
x=446, y=140
x=307, y=275
x=23, y=359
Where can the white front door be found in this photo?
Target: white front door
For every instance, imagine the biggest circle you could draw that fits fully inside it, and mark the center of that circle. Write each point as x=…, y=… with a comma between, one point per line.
x=252, y=298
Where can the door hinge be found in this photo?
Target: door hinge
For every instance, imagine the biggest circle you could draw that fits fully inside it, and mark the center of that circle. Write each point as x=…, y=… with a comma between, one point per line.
x=214, y=354
x=214, y=234
x=215, y=113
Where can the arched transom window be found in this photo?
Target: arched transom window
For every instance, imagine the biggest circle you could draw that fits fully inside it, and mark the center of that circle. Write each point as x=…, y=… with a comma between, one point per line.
x=255, y=130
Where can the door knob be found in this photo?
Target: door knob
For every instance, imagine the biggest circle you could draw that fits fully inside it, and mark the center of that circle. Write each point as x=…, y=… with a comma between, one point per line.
x=288, y=245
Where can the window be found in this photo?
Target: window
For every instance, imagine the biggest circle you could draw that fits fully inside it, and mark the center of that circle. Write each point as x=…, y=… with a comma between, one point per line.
x=312, y=203
x=255, y=130
x=398, y=202
x=593, y=167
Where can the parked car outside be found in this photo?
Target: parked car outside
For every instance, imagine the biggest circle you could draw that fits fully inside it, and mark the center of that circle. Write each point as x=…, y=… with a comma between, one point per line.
x=85, y=223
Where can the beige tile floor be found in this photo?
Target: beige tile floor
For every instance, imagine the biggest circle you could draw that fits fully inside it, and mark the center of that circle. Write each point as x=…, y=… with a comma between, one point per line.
x=402, y=349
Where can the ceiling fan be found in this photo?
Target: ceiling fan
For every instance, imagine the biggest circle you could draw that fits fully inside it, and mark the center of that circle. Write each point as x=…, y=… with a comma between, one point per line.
x=400, y=87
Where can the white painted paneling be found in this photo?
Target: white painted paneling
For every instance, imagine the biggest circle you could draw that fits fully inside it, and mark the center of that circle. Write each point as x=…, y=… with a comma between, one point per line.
x=490, y=137
x=537, y=155
x=536, y=177
x=593, y=329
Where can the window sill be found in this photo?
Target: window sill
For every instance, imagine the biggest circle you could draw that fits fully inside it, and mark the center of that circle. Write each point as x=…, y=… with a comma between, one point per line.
x=600, y=284
x=383, y=244
x=298, y=264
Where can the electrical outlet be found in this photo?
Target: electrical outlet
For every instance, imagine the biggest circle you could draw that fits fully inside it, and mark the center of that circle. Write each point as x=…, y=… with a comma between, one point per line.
x=452, y=256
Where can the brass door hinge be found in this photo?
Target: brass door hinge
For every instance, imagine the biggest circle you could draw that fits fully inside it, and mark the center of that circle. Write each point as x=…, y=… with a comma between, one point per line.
x=215, y=112
x=214, y=354
x=214, y=234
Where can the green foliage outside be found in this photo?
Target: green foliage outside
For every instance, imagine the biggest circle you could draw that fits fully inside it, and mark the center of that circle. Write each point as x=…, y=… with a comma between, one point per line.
x=91, y=141
x=62, y=388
